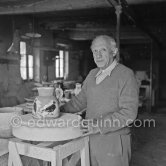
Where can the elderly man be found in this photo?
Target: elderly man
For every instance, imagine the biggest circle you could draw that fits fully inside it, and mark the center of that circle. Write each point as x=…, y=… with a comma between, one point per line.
x=110, y=94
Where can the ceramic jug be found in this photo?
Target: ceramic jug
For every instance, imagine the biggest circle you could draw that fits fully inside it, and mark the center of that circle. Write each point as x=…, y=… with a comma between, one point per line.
x=46, y=105
x=77, y=89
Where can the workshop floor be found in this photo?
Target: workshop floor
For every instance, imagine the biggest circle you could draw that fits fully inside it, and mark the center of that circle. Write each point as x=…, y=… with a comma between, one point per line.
x=149, y=143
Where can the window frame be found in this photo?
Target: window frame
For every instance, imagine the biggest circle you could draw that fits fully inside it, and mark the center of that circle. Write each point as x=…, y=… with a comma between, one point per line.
x=63, y=64
x=27, y=65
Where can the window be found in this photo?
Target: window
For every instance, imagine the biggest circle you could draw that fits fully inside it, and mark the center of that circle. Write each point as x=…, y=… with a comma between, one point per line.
x=61, y=64
x=26, y=62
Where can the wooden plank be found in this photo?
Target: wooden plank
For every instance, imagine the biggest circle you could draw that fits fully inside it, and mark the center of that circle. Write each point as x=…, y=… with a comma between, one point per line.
x=34, y=151
x=58, y=157
x=74, y=159
x=14, y=155
x=45, y=144
x=53, y=158
x=10, y=160
x=45, y=163
x=71, y=147
x=48, y=5
x=112, y=3
x=85, y=153
x=65, y=162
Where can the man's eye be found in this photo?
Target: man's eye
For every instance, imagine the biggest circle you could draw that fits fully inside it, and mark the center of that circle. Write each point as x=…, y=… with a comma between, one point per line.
x=95, y=51
x=104, y=49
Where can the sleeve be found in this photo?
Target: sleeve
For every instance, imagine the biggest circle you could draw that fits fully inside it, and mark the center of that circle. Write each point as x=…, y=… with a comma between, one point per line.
x=77, y=103
x=127, y=107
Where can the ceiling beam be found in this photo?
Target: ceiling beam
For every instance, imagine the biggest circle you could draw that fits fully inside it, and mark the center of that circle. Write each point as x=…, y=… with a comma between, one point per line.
x=51, y=6
x=139, y=23
x=135, y=21
x=88, y=33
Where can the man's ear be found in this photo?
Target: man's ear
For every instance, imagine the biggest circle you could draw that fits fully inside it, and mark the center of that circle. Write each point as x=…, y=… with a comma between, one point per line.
x=115, y=52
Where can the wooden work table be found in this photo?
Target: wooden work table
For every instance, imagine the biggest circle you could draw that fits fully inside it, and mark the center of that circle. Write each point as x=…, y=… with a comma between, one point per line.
x=52, y=153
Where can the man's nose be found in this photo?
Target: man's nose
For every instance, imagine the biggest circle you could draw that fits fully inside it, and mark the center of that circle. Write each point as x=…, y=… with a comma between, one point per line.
x=99, y=55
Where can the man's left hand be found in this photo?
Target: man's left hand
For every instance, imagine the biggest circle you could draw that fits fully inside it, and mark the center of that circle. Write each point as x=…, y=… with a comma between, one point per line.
x=88, y=127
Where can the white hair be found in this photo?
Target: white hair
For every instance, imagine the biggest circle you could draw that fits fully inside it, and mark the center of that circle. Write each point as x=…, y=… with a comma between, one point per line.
x=108, y=39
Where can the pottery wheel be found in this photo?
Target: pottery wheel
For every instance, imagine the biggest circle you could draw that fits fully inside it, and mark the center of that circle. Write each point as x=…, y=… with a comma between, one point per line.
x=63, y=128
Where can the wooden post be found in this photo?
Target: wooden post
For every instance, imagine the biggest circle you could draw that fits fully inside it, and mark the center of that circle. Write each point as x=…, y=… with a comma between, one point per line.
x=118, y=14
x=151, y=77
x=14, y=156
x=85, y=153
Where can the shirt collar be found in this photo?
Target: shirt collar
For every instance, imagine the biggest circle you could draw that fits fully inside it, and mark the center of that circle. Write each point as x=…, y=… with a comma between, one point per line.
x=108, y=69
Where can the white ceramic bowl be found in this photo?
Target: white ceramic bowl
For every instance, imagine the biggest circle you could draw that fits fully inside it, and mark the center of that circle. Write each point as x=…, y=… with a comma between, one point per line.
x=6, y=114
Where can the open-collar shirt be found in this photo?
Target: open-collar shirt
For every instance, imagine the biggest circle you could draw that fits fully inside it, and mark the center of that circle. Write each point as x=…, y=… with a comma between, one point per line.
x=102, y=74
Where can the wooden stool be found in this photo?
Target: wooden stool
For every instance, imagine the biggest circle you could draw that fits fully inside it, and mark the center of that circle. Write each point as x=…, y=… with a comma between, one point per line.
x=53, y=152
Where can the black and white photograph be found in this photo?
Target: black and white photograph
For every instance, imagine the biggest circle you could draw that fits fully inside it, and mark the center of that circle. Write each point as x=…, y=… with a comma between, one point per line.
x=82, y=83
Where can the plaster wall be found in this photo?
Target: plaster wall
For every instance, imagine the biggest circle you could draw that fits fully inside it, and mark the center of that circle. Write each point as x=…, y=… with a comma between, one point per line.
x=12, y=88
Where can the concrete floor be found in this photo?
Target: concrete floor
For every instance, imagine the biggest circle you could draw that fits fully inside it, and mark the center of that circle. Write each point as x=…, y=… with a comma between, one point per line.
x=149, y=143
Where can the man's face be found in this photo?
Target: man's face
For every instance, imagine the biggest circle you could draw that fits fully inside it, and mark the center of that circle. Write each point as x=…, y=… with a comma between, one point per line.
x=102, y=53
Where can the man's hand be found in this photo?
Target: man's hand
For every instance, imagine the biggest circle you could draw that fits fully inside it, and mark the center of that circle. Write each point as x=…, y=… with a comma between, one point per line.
x=89, y=127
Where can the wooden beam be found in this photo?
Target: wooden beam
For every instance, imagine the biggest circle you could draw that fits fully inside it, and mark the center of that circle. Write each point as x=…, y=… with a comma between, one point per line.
x=6, y=60
x=118, y=16
x=131, y=16
x=51, y=6
x=114, y=3
x=139, y=23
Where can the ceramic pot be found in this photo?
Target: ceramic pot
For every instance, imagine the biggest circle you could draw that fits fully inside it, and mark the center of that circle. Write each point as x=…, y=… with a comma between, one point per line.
x=45, y=105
